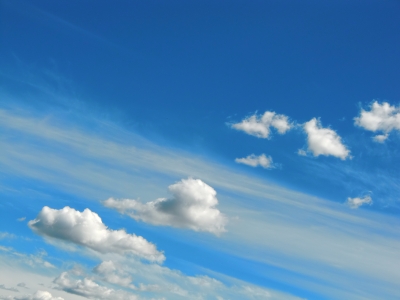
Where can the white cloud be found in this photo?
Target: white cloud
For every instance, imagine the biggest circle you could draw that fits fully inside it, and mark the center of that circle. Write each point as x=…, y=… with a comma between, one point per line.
x=357, y=202
x=301, y=152
x=39, y=295
x=254, y=161
x=324, y=141
x=381, y=117
x=192, y=206
x=87, y=229
x=259, y=126
x=380, y=138
x=110, y=273
x=90, y=289
x=6, y=235
x=35, y=261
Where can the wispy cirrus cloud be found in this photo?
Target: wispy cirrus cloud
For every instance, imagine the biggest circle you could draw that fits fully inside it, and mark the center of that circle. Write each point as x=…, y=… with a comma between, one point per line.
x=381, y=117
x=87, y=229
x=260, y=125
x=253, y=160
x=324, y=141
x=3, y=287
x=193, y=206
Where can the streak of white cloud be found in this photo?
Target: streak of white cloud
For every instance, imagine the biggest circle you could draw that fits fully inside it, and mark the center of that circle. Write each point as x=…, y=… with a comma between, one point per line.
x=3, y=287
x=6, y=235
x=357, y=202
x=90, y=289
x=192, y=206
x=381, y=117
x=39, y=295
x=324, y=141
x=255, y=161
x=87, y=229
x=259, y=126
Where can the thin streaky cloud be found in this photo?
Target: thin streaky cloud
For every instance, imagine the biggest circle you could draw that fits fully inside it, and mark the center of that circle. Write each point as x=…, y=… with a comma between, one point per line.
x=255, y=161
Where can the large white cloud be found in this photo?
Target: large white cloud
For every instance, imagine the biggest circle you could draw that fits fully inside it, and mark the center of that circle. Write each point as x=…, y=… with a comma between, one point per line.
x=259, y=126
x=87, y=229
x=358, y=201
x=254, y=161
x=381, y=117
x=192, y=206
x=39, y=295
x=324, y=141
x=86, y=287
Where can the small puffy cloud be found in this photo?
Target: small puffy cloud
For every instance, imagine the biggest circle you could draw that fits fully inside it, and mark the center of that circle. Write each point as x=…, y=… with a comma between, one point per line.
x=110, y=273
x=357, y=202
x=87, y=229
x=324, y=141
x=21, y=219
x=192, y=205
x=259, y=126
x=39, y=295
x=380, y=138
x=255, y=161
x=381, y=117
x=301, y=152
x=88, y=288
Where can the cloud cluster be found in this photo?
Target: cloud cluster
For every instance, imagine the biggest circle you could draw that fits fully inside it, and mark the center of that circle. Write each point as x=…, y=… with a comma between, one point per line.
x=90, y=289
x=192, y=205
x=357, y=202
x=39, y=295
x=255, y=161
x=259, y=126
x=87, y=229
x=324, y=141
x=381, y=117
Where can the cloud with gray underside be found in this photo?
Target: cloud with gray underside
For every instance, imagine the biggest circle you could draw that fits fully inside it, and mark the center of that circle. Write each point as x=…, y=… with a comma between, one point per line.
x=192, y=206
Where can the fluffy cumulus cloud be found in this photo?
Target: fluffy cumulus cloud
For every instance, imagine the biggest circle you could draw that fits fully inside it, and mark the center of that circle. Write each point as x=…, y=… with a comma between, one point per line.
x=260, y=126
x=380, y=118
x=86, y=287
x=255, y=161
x=39, y=295
x=324, y=141
x=87, y=229
x=357, y=202
x=192, y=205
x=109, y=272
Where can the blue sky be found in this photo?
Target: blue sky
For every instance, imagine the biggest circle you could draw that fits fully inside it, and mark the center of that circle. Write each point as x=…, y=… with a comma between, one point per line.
x=199, y=149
